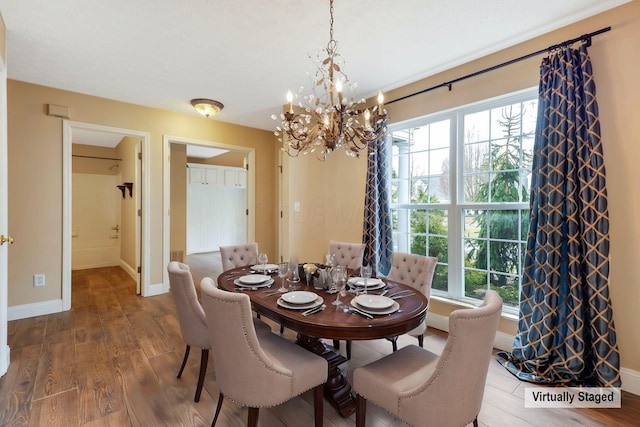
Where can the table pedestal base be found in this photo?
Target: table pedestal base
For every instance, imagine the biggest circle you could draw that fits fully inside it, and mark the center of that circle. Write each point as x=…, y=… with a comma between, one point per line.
x=337, y=389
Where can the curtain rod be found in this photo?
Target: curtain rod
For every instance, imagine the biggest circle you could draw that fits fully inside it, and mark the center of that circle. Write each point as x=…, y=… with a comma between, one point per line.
x=95, y=157
x=584, y=37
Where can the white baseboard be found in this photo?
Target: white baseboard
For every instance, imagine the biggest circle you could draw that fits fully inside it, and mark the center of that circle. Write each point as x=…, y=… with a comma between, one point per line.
x=132, y=272
x=630, y=378
x=4, y=363
x=35, y=309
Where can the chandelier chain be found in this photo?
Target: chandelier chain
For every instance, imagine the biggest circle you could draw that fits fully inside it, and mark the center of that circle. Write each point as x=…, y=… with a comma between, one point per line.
x=331, y=21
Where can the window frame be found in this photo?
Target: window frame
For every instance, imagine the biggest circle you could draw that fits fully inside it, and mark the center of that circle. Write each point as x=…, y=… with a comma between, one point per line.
x=456, y=206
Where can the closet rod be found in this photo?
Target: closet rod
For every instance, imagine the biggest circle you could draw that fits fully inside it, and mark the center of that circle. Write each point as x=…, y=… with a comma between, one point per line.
x=95, y=157
x=584, y=37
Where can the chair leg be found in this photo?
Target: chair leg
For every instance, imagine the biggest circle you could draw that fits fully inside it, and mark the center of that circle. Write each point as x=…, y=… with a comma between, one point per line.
x=421, y=340
x=281, y=329
x=361, y=410
x=475, y=422
x=394, y=343
x=215, y=417
x=184, y=360
x=318, y=409
x=336, y=344
x=204, y=359
x=252, y=420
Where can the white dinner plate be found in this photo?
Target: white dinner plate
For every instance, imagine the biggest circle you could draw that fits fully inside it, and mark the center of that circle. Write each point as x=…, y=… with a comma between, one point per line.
x=264, y=268
x=238, y=283
x=374, y=302
x=394, y=307
x=317, y=302
x=359, y=281
x=253, y=279
x=299, y=297
x=372, y=284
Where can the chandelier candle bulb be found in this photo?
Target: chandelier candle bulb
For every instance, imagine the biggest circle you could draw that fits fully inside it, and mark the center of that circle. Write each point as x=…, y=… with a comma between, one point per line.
x=290, y=101
x=339, y=90
x=380, y=101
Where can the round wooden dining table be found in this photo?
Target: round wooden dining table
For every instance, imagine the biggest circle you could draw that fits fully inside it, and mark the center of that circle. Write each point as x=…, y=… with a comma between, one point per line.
x=333, y=323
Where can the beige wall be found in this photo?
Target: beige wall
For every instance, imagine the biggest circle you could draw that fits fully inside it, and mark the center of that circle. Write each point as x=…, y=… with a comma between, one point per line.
x=91, y=165
x=35, y=177
x=333, y=196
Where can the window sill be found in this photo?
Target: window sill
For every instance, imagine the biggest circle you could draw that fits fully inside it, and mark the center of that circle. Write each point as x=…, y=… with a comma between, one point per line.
x=456, y=304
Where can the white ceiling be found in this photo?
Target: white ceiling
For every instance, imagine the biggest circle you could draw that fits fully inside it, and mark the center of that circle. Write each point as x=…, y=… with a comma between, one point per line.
x=247, y=53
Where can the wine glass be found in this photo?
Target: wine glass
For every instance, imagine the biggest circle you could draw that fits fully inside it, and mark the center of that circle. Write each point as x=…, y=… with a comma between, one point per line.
x=283, y=270
x=343, y=285
x=366, y=275
x=263, y=259
x=330, y=260
x=294, y=278
x=338, y=275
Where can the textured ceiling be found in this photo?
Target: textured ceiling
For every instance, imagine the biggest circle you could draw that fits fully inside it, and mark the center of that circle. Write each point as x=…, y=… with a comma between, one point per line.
x=247, y=53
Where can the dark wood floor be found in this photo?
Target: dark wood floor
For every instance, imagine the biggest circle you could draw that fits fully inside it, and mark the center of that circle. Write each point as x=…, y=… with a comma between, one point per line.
x=112, y=361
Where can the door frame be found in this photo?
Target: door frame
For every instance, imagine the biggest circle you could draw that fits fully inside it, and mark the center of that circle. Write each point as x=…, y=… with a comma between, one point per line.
x=251, y=185
x=145, y=137
x=4, y=191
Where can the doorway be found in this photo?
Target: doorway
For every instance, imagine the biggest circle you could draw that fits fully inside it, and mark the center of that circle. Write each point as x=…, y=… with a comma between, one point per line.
x=138, y=191
x=180, y=144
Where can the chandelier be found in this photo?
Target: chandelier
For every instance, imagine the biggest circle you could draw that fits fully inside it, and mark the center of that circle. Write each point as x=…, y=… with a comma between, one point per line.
x=326, y=119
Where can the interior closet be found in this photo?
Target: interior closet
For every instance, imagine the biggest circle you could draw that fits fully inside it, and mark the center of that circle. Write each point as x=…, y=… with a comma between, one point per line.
x=216, y=207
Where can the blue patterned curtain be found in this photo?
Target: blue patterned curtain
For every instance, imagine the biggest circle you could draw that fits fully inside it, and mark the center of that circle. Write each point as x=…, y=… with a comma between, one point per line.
x=376, y=230
x=566, y=332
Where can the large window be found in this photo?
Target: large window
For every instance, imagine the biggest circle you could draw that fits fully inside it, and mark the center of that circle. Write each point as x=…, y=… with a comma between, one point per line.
x=460, y=183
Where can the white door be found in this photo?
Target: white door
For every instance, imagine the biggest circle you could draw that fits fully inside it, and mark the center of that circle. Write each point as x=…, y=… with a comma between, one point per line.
x=4, y=349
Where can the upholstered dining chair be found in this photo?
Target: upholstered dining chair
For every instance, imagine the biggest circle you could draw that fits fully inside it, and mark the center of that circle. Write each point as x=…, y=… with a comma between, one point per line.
x=253, y=370
x=415, y=271
x=422, y=388
x=193, y=324
x=238, y=255
x=348, y=254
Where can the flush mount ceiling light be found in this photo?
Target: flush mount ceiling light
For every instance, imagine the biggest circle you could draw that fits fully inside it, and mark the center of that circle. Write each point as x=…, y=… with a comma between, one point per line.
x=328, y=119
x=207, y=107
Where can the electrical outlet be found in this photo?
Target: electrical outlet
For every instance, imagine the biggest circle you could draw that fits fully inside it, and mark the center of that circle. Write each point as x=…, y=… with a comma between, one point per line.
x=38, y=280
